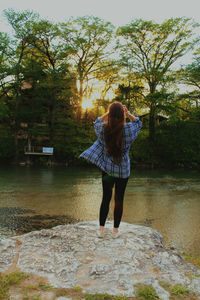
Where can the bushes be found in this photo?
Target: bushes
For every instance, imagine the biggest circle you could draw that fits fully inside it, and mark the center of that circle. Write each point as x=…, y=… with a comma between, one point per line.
x=72, y=141
x=142, y=151
x=6, y=145
x=178, y=144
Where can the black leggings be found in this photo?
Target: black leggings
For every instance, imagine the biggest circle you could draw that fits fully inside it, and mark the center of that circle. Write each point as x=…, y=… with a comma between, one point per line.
x=108, y=182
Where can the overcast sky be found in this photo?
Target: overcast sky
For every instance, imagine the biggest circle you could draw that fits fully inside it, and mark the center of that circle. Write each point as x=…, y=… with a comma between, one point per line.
x=118, y=12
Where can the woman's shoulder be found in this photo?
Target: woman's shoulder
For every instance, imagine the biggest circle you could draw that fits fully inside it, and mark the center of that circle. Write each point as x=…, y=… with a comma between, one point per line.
x=99, y=120
x=132, y=123
x=128, y=125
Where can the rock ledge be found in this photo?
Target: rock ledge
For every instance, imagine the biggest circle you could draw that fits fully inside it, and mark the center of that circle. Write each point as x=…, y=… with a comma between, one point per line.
x=72, y=255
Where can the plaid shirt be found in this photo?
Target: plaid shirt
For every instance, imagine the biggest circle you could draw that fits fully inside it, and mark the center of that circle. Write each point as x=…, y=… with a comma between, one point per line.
x=97, y=154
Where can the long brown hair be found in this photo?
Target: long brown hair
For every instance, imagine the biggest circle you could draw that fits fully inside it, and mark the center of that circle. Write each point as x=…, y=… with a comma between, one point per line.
x=113, y=131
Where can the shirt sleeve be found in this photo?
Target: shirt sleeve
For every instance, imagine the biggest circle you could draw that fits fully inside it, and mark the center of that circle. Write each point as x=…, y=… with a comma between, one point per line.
x=98, y=126
x=133, y=129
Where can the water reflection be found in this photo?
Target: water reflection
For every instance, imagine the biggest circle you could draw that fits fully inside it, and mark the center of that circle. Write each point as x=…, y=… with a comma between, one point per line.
x=168, y=202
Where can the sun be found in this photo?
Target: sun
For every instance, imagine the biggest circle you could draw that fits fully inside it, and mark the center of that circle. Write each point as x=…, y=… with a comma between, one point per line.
x=87, y=103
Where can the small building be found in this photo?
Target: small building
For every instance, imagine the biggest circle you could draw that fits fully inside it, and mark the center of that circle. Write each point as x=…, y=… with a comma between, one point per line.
x=159, y=118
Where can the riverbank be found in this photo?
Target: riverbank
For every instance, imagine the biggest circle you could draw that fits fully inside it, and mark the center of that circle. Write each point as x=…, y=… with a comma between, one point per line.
x=154, y=165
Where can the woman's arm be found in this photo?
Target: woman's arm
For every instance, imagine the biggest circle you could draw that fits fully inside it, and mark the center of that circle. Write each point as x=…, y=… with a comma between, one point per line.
x=104, y=117
x=128, y=114
x=98, y=124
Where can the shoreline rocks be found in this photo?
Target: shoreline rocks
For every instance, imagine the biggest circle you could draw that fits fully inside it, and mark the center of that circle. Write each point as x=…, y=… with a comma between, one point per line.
x=72, y=255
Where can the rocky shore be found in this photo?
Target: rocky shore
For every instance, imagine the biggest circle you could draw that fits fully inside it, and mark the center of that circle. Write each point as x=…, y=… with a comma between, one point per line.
x=72, y=255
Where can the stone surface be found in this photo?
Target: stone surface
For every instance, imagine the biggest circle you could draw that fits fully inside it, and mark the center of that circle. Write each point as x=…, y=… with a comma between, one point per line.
x=7, y=253
x=73, y=255
x=63, y=298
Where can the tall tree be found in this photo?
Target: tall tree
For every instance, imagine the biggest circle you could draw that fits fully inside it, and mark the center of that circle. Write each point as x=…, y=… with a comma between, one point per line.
x=190, y=76
x=86, y=41
x=38, y=62
x=21, y=23
x=152, y=49
x=5, y=53
x=45, y=45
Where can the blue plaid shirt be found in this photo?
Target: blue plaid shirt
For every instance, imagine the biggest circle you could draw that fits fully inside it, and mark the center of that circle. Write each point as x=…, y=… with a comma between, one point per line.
x=97, y=154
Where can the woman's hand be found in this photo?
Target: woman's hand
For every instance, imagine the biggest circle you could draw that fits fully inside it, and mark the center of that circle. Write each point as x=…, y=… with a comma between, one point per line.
x=128, y=114
x=125, y=109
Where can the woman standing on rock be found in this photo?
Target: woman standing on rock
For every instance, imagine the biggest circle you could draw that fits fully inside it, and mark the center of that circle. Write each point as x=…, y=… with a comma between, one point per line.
x=111, y=154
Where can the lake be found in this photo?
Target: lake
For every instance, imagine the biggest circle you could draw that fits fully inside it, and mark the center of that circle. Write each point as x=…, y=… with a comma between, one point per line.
x=38, y=197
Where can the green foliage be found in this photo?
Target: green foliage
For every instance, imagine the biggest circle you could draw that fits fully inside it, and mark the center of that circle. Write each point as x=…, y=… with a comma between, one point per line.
x=131, y=93
x=77, y=289
x=100, y=296
x=179, y=290
x=151, y=49
x=73, y=139
x=6, y=144
x=190, y=75
x=193, y=259
x=146, y=292
x=85, y=40
x=8, y=280
x=178, y=144
x=15, y=277
x=51, y=58
x=142, y=151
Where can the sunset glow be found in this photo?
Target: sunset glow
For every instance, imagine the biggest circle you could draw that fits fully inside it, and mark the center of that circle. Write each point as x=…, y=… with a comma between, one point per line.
x=87, y=103
x=94, y=90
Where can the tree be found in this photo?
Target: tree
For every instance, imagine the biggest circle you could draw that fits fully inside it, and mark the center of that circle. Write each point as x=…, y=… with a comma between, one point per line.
x=45, y=45
x=190, y=75
x=152, y=49
x=108, y=76
x=6, y=144
x=38, y=62
x=86, y=41
x=21, y=22
x=5, y=53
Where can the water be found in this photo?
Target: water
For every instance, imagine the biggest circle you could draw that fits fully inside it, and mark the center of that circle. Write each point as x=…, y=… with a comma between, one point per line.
x=35, y=198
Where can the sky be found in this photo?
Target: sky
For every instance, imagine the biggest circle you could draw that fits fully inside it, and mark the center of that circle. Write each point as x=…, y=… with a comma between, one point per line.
x=118, y=12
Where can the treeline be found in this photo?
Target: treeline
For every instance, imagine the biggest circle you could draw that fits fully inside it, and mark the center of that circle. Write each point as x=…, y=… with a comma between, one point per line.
x=48, y=71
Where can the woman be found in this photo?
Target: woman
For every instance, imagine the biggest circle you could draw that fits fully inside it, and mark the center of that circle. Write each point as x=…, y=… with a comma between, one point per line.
x=111, y=154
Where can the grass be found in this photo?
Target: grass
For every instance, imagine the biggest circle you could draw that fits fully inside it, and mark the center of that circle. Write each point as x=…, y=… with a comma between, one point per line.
x=34, y=290
x=145, y=292
x=44, y=287
x=33, y=287
x=179, y=290
x=193, y=259
x=6, y=281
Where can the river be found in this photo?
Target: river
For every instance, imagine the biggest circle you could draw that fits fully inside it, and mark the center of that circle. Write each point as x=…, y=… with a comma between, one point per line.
x=168, y=201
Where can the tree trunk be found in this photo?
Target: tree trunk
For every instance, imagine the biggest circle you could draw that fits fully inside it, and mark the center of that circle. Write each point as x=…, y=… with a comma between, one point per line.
x=16, y=147
x=80, y=99
x=29, y=142
x=152, y=115
x=51, y=126
x=16, y=129
x=152, y=124
x=81, y=91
